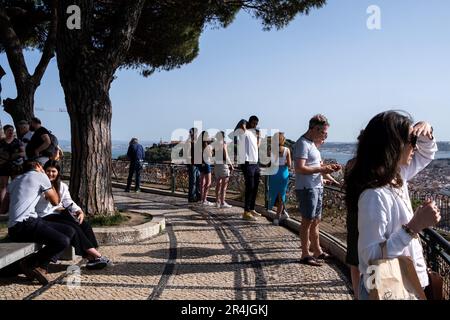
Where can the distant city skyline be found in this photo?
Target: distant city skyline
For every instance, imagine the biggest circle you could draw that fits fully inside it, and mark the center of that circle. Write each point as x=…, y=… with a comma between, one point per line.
x=328, y=62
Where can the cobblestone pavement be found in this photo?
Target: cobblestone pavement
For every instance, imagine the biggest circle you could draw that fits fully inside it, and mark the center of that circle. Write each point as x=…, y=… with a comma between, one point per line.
x=203, y=254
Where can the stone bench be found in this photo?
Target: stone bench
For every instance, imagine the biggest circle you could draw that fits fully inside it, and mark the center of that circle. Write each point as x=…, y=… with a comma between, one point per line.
x=11, y=252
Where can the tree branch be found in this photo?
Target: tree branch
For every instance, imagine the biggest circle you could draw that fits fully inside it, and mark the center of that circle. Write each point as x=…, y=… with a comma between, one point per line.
x=13, y=49
x=122, y=34
x=49, y=49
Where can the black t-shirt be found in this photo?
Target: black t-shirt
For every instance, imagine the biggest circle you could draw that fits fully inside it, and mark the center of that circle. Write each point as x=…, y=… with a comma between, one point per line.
x=36, y=141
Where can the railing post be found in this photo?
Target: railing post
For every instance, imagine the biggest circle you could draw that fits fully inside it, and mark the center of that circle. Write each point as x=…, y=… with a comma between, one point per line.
x=172, y=177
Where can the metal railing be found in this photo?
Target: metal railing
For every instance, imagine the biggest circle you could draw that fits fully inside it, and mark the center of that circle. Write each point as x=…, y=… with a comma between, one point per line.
x=174, y=178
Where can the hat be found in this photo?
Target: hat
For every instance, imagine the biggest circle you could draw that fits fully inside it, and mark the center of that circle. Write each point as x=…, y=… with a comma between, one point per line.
x=22, y=122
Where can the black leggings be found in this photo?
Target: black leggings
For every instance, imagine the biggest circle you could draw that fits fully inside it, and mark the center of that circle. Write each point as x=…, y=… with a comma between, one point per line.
x=84, y=237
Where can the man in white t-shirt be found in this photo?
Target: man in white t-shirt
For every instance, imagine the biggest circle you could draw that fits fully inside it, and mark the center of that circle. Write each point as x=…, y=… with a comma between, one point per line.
x=24, y=225
x=309, y=187
x=250, y=167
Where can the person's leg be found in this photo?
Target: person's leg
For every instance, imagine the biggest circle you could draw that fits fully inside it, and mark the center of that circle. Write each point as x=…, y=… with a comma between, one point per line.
x=255, y=185
x=305, y=200
x=304, y=236
x=280, y=206
x=81, y=241
x=248, y=186
x=207, y=186
x=315, y=238
x=56, y=238
x=356, y=277
x=218, y=188
x=223, y=190
x=138, y=176
x=317, y=215
x=130, y=176
x=202, y=186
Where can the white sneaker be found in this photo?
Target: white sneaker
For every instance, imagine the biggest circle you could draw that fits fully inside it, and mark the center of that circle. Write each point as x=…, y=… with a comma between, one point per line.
x=207, y=203
x=226, y=205
x=218, y=206
x=275, y=222
x=284, y=215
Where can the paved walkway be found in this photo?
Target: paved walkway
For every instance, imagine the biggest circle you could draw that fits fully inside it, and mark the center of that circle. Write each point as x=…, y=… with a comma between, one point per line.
x=204, y=254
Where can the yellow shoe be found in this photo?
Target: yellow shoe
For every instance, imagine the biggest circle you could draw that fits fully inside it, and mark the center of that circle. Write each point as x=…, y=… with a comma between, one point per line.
x=248, y=216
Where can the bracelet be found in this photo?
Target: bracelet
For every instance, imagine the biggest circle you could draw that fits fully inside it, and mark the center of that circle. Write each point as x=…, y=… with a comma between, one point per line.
x=410, y=232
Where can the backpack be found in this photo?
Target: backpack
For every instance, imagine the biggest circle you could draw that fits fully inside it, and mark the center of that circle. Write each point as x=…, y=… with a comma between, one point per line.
x=53, y=149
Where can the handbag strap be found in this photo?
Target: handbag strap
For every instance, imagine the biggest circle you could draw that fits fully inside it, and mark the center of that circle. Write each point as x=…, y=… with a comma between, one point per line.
x=383, y=247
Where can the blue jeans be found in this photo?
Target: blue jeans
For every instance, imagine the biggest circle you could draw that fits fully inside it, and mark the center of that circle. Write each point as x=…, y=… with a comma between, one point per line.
x=194, y=193
x=135, y=168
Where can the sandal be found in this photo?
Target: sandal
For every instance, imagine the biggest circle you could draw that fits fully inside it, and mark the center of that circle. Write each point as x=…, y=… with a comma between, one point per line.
x=323, y=256
x=309, y=260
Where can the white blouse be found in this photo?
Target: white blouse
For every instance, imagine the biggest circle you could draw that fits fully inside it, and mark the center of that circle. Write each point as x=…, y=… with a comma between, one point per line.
x=383, y=211
x=45, y=208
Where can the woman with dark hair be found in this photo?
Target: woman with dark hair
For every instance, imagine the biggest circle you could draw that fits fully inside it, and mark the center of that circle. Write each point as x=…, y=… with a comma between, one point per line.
x=67, y=212
x=12, y=153
x=390, y=152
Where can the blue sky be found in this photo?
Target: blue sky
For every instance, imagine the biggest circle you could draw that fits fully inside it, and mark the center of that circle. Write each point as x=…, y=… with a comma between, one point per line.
x=328, y=62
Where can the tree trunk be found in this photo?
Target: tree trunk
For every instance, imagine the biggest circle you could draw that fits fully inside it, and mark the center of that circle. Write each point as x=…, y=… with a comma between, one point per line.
x=90, y=114
x=22, y=107
x=86, y=72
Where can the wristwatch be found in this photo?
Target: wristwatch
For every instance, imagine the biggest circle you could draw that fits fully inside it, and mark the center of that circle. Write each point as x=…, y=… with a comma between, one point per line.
x=410, y=232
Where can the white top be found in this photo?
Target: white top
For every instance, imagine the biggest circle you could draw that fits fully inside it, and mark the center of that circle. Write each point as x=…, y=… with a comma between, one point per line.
x=45, y=208
x=383, y=211
x=279, y=161
x=248, y=147
x=24, y=193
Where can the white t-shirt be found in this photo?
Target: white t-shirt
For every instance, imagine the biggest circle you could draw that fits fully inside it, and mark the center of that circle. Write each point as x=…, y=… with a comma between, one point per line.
x=45, y=208
x=248, y=147
x=383, y=211
x=24, y=193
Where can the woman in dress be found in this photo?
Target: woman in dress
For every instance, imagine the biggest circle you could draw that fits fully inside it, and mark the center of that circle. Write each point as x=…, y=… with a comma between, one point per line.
x=280, y=158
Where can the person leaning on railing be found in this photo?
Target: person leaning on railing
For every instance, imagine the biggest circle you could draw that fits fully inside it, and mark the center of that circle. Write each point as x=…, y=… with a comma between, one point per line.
x=390, y=152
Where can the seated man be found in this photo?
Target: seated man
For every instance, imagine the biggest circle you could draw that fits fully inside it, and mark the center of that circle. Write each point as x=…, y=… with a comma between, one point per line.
x=24, y=225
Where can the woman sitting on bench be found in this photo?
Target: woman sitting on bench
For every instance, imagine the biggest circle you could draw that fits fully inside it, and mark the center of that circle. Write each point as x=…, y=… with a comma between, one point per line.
x=67, y=212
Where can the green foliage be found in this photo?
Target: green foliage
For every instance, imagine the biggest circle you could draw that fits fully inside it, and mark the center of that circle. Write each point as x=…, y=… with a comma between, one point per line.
x=30, y=20
x=168, y=32
x=158, y=153
x=105, y=221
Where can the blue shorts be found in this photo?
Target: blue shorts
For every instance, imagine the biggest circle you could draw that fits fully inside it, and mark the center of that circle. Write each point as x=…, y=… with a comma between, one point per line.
x=204, y=168
x=310, y=203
